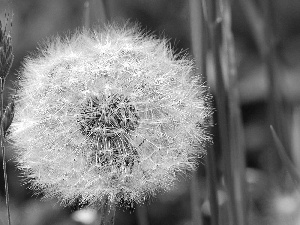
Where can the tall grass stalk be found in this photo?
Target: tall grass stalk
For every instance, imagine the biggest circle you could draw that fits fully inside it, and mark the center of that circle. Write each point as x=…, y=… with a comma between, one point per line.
x=237, y=145
x=255, y=21
x=263, y=29
x=214, y=25
x=2, y=83
x=199, y=49
x=6, y=59
x=229, y=117
x=275, y=101
x=288, y=164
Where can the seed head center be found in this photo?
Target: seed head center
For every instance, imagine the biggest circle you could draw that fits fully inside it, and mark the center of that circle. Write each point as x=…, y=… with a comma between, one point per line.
x=110, y=121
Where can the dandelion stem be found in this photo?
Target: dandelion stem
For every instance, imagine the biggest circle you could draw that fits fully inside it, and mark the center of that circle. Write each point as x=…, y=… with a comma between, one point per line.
x=107, y=213
x=142, y=215
x=3, y=154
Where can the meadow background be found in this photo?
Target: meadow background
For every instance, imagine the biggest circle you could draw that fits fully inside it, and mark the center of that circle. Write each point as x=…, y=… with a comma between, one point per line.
x=270, y=195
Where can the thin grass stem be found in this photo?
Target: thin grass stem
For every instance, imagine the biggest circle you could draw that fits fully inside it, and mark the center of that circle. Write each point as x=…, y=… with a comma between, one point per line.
x=199, y=49
x=86, y=15
x=198, y=35
x=105, y=9
x=2, y=82
x=269, y=61
x=255, y=21
x=275, y=100
x=229, y=117
x=100, y=11
x=238, y=160
x=214, y=24
x=262, y=25
x=288, y=164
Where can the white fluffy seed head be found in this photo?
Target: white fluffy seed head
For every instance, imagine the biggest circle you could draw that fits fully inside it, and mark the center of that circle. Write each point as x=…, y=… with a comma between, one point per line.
x=111, y=113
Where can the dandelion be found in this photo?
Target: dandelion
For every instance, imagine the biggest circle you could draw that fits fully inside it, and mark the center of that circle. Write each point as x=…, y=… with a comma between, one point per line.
x=108, y=114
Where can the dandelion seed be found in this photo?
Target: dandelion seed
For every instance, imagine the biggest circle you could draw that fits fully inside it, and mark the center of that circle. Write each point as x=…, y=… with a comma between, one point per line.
x=113, y=113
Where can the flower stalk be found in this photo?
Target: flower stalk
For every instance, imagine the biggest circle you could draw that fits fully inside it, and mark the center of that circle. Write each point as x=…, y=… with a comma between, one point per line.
x=107, y=213
x=6, y=59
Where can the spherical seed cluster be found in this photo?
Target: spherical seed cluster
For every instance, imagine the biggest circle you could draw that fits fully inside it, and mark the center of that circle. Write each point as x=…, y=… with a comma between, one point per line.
x=111, y=113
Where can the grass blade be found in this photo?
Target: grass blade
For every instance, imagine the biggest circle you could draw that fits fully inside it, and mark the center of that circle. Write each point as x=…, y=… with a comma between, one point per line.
x=238, y=158
x=287, y=163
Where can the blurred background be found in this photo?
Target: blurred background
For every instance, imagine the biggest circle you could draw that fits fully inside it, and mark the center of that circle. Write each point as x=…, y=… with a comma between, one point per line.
x=278, y=203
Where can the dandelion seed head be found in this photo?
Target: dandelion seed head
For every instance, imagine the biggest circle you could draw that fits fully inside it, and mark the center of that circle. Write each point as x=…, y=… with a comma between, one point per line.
x=111, y=113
